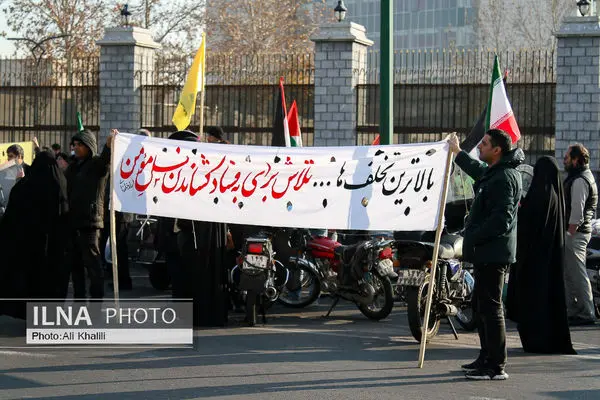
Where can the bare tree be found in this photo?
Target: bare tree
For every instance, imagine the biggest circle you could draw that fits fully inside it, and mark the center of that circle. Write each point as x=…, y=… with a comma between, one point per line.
x=495, y=24
x=176, y=24
x=263, y=26
x=516, y=24
x=537, y=24
x=80, y=21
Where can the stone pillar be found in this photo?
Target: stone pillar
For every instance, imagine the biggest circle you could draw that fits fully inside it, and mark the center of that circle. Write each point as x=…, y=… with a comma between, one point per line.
x=578, y=86
x=340, y=50
x=124, y=53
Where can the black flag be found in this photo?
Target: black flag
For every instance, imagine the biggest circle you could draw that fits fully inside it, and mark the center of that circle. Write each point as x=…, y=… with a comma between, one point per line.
x=281, y=132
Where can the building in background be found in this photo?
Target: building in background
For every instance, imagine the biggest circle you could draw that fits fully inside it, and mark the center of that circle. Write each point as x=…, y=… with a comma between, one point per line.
x=420, y=24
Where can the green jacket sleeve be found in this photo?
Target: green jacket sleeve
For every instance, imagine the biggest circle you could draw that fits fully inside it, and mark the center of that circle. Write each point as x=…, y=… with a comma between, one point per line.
x=500, y=212
x=474, y=168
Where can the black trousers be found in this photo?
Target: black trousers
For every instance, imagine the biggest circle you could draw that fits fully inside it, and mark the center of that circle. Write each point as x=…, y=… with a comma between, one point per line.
x=84, y=254
x=487, y=305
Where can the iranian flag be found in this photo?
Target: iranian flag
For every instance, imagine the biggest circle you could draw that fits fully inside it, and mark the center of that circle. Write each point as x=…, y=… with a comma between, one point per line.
x=499, y=112
x=294, y=126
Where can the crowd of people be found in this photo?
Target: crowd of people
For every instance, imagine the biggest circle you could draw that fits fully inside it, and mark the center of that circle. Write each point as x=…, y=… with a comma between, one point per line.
x=542, y=237
x=55, y=226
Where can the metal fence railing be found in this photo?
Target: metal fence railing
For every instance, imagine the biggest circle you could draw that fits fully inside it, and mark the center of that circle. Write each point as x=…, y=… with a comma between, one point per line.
x=43, y=99
x=435, y=92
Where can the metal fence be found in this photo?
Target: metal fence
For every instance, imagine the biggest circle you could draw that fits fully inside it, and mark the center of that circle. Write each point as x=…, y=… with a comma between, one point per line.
x=437, y=92
x=241, y=94
x=43, y=99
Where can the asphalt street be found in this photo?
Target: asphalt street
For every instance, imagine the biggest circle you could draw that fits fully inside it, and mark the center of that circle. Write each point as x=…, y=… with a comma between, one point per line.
x=297, y=355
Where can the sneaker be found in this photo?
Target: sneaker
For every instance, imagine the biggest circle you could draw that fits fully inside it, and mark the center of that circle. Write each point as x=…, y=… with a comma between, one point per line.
x=487, y=374
x=474, y=366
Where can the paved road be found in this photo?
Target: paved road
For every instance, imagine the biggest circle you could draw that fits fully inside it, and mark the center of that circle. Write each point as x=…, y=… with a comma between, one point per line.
x=297, y=355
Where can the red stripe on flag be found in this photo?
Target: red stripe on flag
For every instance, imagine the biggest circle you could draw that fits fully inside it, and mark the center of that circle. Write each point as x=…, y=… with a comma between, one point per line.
x=509, y=125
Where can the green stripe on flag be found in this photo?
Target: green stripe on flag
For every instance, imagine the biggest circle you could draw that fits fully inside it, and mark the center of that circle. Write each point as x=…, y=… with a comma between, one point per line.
x=496, y=79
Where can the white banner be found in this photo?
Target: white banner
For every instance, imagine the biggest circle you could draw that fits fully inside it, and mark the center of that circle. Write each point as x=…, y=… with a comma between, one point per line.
x=396, y=187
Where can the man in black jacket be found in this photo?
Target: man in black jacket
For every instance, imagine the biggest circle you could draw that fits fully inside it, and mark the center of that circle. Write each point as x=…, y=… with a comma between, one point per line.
x=86, y=182
x=490, y=242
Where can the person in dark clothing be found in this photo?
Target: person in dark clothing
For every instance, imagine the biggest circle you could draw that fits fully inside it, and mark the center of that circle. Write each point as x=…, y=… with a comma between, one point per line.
x=202, y=247
x=122, y=222
x=490, y=242
x=236, y=233
x=198, y=268
x=15, y=152
x=536, y=291
x=581, y=200
x=215, y=134
x=33, y=237
x=86, y=179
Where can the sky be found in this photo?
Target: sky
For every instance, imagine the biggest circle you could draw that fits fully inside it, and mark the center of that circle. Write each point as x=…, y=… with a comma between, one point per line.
x=6, y=46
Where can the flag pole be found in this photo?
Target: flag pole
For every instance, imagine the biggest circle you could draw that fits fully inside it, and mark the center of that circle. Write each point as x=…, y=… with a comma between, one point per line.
x=201, y=128
x=113, y=228
x=436, y=249
x=202, y=89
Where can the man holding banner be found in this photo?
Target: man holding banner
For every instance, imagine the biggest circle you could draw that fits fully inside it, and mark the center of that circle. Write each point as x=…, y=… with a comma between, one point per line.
x=490, y=242
x=86, y=180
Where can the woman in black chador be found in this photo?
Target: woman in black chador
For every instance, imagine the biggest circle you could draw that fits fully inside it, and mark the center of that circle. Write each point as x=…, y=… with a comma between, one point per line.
x=196, y=258
x=536, y=290
x=32, y=237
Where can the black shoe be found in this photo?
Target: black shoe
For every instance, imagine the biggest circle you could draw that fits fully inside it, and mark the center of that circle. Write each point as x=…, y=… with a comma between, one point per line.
x=474, y=366
x=487, y=374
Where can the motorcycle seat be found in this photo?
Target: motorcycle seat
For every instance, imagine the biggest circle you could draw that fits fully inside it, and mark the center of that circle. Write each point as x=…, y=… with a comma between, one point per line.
x=346, y=252
x=453, y=242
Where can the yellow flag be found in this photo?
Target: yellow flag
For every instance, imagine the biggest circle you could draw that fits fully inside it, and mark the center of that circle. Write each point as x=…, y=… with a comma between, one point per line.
x=194, y=83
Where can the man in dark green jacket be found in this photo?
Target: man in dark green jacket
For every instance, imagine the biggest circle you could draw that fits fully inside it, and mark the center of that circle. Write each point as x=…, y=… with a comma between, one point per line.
x=490, y=242
x=86, y=181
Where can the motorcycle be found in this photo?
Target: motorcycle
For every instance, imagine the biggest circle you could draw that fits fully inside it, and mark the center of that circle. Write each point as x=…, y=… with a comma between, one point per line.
x=453, y=286
x=259, y=275
x=359, y=273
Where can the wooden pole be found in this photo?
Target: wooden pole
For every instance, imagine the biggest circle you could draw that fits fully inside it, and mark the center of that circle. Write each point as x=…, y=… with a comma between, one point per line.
x=201, y=128
x=436, y=249
x=203, y=89
x=113, y=228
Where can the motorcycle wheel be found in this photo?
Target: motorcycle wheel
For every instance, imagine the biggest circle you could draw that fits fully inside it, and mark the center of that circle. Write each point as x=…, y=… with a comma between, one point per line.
x=309, y=281
x=383, y=292
x=466, y=318
x=416, y=299
x=159, y=276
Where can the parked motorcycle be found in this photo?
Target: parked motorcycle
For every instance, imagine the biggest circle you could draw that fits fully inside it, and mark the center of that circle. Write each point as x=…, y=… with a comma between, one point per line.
x=453, y=286
x=259, y=275
x=359, y=273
